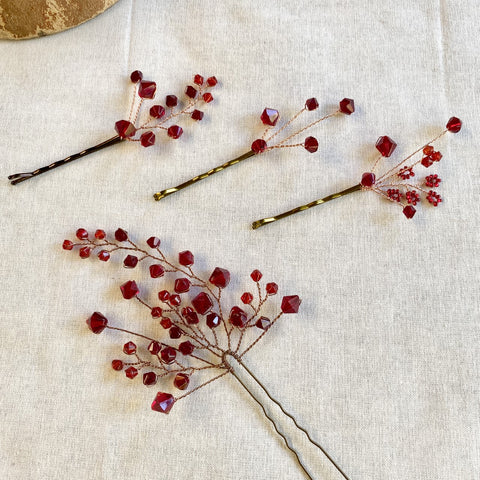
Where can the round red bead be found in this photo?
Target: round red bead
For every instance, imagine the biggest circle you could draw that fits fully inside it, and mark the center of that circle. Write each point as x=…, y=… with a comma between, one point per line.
x=181, y=381
x=67, y=245
x=454, y=125
x=149, y=378
x=175, y=131
x=136, y=76
x=84, y=252
x=117, y=365
x=368, y=179
x=82, y=234
x=259, y=145
x=311, y=144
x=147, y=139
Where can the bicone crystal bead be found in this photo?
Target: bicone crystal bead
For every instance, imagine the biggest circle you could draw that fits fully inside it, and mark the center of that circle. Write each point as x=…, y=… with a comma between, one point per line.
x=149, y=378
x=147, y=89
x=220, y=277
x=175, y=131
x=157, y=111
x=454, y=125
x=168, y=355
x=97, y=322
x=213, y=320
x=198, y=79
x=212, y=81
x=182, y=285
x=271, y=288
x=202, y=303
x=368, y=179
x=125, y=129
x=197, y=115
x=100, y=234
x=385, y=145
x=129, y=348
x=259, y=145
x=154, y=347
x=238, y=318
x=131, y=372
x=103, y=255
x=246, y=298
x=409, y=211
x=311, y=104
x=163, y=402
x=181, y=381
x=171, y=101
x=175, y=332
x=129, y=289
x=291, y=304
x=81, y=234
x=136, y=76
x=156, y=270
x=84, y=252
x=130, y=261
x=207, y=97
x=117, y=365
x=263, y=323
x=186, y=348
x=147, y=139
x=67, y=245
x=311, y=144
x=186, y=258
x=191, y=91
x=270, y=117
x=121, y=235
x=347, y=106
x=256, y=275
x=153, y=242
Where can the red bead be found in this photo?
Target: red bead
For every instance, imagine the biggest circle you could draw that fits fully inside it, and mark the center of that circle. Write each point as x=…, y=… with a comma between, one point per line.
x=259, y=145
x=156, y=270
x=84, y=252
x=311, y=104
x=436, y=156
x=164, y=295
x=427, y=161
x=175, y=332
x=412, y=197
x=153, y=242
x=311, y=144
x=156, y=312
x=385, y=145
x=130, y=261
x=428, y=150
x=97, y=323
x=190, y=316
x=202, y=303
x=186, y=348
x=211, y=81
x=163, y=402
x=154, y=347
x=181, y=381
x=185, y=258
x=347, y=106
x=238, y=318
x=197, y=115
x=147, y=89
x=454, y=125
x=136, y=76
x=213, y=320
x=175, y=300
x=104, y=256
x=168, y=355
x=191, y=91
x=157, y=111
x=149, y=378
x=432, y=181
x=67, y=245
x=220, y=277
x=171, y=101
x=246, y=298
x=166, y=323
x=129, y=289
x=82, y=234
x=263, y=323
x=117, y=365
x=175, y=131
x=434, y=198
x=125, y=129
x=405, y=173
x=129, y=348
x=290, y=304
x=394, y=194
x=198, y=79
x=270, y=117
x=256, y=275
x=121, y=235
x=207, y=97
x=100, y=234
x=271, y=288
x=368, y=179
x=147, y=139
x=131, y=372
x=409, y=211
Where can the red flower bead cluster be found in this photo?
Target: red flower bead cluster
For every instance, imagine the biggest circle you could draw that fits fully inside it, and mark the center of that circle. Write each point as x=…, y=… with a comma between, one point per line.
x=201, y=331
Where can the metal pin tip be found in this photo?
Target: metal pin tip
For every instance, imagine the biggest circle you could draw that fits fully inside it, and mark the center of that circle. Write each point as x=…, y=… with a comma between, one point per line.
x=158, y=196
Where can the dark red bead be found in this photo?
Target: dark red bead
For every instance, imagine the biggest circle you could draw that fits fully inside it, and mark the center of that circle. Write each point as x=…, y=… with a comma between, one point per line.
x=385, y=145
x=129, y=289
x=147, y=89
x=149, y=378
x=153, y=242
x=368, y=179
x=211, y=81
x=202, y=303
x=67, y=245
x=198, y=79
x=130, y=261
x=163, y=402
x=311, y=104
x=97, y=323
x=129, y=348
x=436, y=156
x=186, y=348
x=290, y=304
x=147, y=139
x=156, y=312
x=100, y=234
x=454, y=125
x=103, y=255
x=246, y=298
x=157, y=111
x=181, y=381
x=271, y=288
x=168, y=355
x=259, y=145
x=191, y=91
x=117, y=365
x=197, y=115
x=175, y=332
x=190, y=316
x=82, y=234
x=171, y=101
x=207, y=97
x=238, y=318
x=166, y=323
x=428, y=150
x=164, y=295
x=409, y=211
x=213, y=320
x=220, y=277
x=263, y=323
x=427, y=161
x=121, y=235
x=175, y=131
x=84, y=252
x=185, y=258
x=125, y=129
x=256, y=275
x=136, y=76
x=347, y=106
x=156, y=270
x=154, y=347
x=175, y=300
x=131, y=372
x=311, y=144
x=270, y=117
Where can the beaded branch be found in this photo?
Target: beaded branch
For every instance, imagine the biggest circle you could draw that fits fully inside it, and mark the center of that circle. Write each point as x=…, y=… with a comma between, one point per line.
x=138, y=129
x=201, y=335
x=396, y=184
x=268, y=141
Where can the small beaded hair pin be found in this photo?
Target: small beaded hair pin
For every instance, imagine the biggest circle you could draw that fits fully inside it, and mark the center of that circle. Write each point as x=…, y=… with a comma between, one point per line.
x=270, y=117
x=206, y=339
x=143, y=132
x=395, y=184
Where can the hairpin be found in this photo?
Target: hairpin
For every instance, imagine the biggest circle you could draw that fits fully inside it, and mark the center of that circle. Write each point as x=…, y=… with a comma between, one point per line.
x=395, y=184
x=268, y=141
x=203, y=338
x=160, y=118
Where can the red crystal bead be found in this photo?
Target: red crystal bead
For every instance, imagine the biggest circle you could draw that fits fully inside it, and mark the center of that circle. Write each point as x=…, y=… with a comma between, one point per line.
x=368, y=179
x=130, y=261
x=157, y=111
x=246, y=298
x=156, y=270
x=168, y=354
x=171, y=101
x=207, y=97
x=213, y=320
x=153, y=242
x=154, y=347
x=197, y=115
x=156, y=312
x=121, y=235
x=290, y=304
x=84, y=252
x=427, y=161
x=190, y=316
x=175, y=131
x=97, y=323
x=129, y=289
x=185, y=258
x=175, y=332
x=454, y=125
x=347, y=106
x=220, y=277
x=271, y=288
x=191, y=91
x=270, y=117
x=186, y=348
x=100, y=234
x=238, y=318
x=428, y=150
x=163, y=402
x=129, y=348
x=149, y=378
x=436, y=156
x=181, y=381
x=131, y=372
x=147, y=139
x=175, y=300
x=263, y=323
x=202, y=303
x=311, y=104
x=104, y=256
x=147, y=89
x=409, y=211
x=385, y=145
x=125, y=129
x=136, y=76
x=82, y=234
x=311, y=144
x=256, y=275
x=166, y=323
x=117, y=365
x=211, y=81
x=259, y=145
x=67, y=245
x=198, y=79
x=164, y=295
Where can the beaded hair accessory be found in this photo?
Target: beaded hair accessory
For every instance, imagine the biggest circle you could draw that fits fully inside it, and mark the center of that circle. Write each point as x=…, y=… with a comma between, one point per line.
x=395, y=184
x=142, y=131
x=202, y=337
x=267, y=142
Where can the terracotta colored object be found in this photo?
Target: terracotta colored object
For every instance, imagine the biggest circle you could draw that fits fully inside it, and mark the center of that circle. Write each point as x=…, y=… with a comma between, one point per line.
x=21, y=19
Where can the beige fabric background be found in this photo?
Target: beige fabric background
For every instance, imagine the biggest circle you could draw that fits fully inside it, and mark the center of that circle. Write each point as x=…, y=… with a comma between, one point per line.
x=382, y=362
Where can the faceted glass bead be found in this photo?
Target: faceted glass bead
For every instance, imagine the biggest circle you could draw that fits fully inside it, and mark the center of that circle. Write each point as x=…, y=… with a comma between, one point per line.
x=311, y=144
x=368, y=179
x=163, y=402
x=198, y=79
x=175, y=131
x=186, y=348
x=147, y=139
x=190, y=316
x=153, y=242
x=121, y=235
x=270, y=117
x=168, y=354
x=238, y=317
x=175, y=332
x=259, y=145
x=154, y=347
x=104, y=256
x=263, y=323
x=311, y=104
x=290, y=304
x=191, y=91
x=454, y=125
x=149, y=378
x=129, y=348
x=428, y=150
x=147, y=89
x=100, y=234
x=220, y=277
x=130, y=261
x=409, y=211
x=436, y=156
x=166, y=323
x=385, y=145
x=181, y=381
x=84, y=252
x=131, y=372
x=256, y=275
x=427, y=161
x=246, y=298
x=164, y=295
x=156, y=270
x=213, y=320
x=185, y=258
x=211, y=81
x=129, y=289
x=82, y=234
x=157, y=111
x=182, y=285
x=136, y=76
x=156, y=312
x=67, y=245
x=347, y=106
x=97, y=323
x=171, y=101
x=175, y=300
x=117, y=365
x=197, y=115
x=125, y=129
x=272, y=288
x=202, y=303
x=207, y=97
